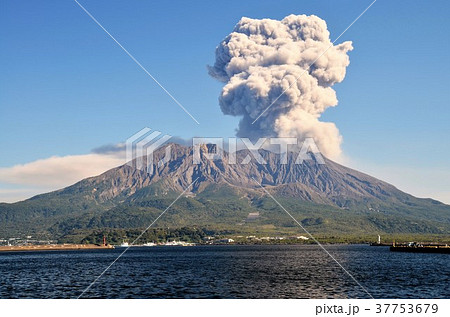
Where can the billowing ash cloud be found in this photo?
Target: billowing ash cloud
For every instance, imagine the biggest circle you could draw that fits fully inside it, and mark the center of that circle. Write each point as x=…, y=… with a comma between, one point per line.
x=262, y=58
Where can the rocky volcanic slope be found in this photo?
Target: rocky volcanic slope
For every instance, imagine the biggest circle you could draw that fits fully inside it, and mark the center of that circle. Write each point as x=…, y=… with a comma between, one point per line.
x=328, y=184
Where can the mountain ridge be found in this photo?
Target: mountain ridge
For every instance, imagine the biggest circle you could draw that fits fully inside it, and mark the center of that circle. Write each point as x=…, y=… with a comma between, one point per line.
x=307, y=186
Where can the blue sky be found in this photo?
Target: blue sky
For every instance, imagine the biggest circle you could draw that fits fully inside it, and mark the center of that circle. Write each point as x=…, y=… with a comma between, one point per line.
x=67, y=88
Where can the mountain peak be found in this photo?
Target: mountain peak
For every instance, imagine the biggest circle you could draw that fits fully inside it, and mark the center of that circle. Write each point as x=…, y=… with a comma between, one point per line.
x=238, y=177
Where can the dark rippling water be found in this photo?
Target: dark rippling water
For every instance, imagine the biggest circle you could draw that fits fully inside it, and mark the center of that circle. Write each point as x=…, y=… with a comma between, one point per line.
x=226, y=272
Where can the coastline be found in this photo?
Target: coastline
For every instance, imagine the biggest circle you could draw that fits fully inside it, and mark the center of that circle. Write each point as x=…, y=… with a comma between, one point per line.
x=53, y=247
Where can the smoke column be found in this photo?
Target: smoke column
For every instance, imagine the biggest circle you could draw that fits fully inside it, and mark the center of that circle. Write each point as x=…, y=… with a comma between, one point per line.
x=262, y=58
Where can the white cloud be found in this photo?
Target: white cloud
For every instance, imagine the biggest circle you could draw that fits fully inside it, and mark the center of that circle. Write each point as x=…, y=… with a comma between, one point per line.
x=10, y=195
x=53, y=173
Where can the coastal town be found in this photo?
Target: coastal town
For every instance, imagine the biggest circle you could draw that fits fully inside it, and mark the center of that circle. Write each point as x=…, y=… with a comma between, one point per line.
x=28, y=243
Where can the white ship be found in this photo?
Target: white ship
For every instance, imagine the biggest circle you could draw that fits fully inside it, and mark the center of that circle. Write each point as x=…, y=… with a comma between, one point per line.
x=179, y=243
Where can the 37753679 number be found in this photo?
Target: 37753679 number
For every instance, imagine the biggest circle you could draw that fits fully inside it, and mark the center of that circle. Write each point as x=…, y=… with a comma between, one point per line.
x=406, y=308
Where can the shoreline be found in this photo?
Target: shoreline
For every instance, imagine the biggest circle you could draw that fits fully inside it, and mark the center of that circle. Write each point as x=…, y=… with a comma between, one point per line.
x=53, y=247
x=81, y=247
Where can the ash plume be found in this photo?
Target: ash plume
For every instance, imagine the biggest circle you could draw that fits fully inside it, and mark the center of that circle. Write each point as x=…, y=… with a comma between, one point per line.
x=262, y=58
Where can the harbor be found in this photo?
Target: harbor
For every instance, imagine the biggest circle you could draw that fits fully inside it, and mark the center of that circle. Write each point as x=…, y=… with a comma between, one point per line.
x=416, y=247
x=420, y=248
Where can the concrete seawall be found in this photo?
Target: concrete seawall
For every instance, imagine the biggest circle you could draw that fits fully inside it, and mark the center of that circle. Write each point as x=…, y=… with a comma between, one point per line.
x=54, y=247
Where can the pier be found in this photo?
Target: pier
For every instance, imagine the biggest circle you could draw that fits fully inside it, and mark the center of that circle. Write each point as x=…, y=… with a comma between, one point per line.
x=420, y=248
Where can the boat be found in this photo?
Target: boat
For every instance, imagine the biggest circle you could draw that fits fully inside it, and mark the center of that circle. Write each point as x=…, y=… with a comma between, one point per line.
x=179, y=243
x=149, y=244
x=124, y=245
